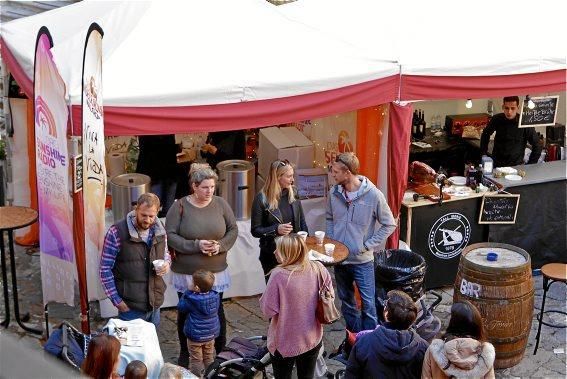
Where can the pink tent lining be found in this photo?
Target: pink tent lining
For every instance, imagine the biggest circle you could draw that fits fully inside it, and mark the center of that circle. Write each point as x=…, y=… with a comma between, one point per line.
x=244, y=115
x=417, y=87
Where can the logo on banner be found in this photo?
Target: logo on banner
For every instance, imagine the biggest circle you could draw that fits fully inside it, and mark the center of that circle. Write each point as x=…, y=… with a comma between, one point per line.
x=91, y=94
x=449, y=235
x=44, y=118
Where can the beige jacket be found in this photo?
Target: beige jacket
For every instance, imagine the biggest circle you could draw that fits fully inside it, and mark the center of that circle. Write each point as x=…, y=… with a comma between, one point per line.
x=459, y=358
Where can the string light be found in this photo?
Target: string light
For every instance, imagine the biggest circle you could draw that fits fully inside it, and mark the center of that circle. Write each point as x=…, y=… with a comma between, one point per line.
x=468, y=104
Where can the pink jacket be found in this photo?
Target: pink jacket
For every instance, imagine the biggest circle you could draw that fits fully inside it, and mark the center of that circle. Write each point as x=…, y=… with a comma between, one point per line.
x=459, y=358
x=290, y=300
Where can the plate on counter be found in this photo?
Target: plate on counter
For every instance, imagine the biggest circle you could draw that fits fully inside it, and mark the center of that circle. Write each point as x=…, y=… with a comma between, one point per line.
x=513, y=177
x=458, y=180
x=507, y=170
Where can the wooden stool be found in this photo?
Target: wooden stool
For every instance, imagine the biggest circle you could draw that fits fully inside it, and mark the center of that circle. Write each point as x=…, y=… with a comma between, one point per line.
x=552, y=272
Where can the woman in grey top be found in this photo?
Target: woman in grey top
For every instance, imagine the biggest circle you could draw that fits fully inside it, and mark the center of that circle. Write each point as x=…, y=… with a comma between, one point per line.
x=201, y=228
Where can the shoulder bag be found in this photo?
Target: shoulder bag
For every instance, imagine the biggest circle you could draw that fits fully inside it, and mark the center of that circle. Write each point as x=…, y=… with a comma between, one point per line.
x=172, y=252
x=326, y=311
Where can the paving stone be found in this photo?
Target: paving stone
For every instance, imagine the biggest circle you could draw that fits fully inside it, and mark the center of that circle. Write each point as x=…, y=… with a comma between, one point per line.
x=245, y=319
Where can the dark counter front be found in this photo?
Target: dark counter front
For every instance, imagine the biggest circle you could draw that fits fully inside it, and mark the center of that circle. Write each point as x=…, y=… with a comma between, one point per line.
x=540, y=226
x=440, y=233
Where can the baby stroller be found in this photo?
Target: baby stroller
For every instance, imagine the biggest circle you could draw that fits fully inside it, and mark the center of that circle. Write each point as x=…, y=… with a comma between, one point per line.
x=68, y=344
x=241, y=358
x=405, y=271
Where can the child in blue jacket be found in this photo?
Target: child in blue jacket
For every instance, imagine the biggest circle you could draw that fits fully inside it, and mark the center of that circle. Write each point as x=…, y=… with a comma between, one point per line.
x=202, y=325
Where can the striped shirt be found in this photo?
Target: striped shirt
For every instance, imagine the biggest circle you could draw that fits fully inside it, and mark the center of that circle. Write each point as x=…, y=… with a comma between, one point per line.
x=110, y=250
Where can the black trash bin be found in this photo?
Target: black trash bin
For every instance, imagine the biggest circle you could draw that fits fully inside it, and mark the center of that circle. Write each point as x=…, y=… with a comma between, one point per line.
x=399, y=270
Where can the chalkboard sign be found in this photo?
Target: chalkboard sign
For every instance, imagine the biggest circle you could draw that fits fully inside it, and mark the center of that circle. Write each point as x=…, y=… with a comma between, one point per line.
x=499, y=209
x=544, y=112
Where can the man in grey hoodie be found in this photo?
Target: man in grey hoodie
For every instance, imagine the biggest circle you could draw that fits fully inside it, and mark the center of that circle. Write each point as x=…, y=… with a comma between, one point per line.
x=358, y=216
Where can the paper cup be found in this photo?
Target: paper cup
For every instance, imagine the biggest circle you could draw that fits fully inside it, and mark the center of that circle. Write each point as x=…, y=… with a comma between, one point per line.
x=320, y=237
x=158, y=263
x=329, y=249
x=303, y=235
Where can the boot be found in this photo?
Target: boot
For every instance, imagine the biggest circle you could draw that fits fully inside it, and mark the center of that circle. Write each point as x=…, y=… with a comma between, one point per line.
x=183, y=359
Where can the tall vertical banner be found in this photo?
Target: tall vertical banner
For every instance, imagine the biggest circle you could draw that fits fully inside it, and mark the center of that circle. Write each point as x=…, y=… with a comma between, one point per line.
x=57, y=255
x=94, y=169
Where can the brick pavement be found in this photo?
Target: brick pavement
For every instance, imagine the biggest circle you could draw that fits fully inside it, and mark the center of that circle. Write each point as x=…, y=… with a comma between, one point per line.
x=244, y=319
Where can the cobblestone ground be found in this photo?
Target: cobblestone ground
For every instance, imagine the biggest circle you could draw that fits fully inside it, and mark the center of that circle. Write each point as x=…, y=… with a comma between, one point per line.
x=244, y=319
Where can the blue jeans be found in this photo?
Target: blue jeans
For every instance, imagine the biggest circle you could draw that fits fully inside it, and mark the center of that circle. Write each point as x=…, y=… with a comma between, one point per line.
x=151, y=316
x=363, y=276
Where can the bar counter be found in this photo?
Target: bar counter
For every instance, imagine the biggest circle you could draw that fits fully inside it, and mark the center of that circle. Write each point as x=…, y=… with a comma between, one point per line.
x=542, y=213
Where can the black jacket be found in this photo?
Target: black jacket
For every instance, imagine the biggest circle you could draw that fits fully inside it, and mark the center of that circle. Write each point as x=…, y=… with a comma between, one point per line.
x=387, y=353
x=510, y=141
x=264, y=225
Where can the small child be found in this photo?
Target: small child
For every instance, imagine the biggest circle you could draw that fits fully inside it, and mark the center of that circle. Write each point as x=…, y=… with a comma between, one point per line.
x=136, y=370
x=202, y=325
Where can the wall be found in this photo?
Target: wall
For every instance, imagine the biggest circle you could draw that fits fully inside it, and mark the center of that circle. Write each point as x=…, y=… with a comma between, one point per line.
x=448, y=107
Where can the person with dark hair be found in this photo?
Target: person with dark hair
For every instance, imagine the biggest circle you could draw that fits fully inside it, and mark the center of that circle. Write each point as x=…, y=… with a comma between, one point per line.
x=391, y=350
x=102, y=358
x=221, y=146
x=202, y=326
x=510, y=140
x=129, y=278
x=158, y=160
x=136, y=370
x=464, y=351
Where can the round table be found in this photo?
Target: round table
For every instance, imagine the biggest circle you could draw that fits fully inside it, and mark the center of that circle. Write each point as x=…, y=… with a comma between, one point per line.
x=339, y=255
x=12, y=218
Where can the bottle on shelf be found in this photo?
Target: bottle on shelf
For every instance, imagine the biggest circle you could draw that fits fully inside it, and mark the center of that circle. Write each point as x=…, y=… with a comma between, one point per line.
x=471, y=176
x=422, y=125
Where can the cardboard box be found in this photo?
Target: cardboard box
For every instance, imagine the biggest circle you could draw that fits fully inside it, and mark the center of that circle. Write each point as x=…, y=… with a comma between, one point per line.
x=283, y=143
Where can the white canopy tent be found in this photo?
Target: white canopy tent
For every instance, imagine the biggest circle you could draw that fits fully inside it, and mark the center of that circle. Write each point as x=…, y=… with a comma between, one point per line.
x=502, y=46
x=201, y=65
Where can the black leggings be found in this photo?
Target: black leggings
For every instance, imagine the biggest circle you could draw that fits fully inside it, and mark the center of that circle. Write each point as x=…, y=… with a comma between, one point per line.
x=305, y=362
x=220, y=341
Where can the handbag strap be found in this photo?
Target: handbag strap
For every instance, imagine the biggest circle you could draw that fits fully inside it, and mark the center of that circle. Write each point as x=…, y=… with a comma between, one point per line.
x=319, y=276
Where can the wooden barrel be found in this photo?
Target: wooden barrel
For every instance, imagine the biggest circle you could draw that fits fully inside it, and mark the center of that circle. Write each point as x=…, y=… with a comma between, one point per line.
x=503, y=292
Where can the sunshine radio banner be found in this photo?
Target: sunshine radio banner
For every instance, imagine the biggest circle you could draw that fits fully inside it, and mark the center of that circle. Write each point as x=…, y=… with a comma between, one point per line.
x=94, y=169
x=57, y=254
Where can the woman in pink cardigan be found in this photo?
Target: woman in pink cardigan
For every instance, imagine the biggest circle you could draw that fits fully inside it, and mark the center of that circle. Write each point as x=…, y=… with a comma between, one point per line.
x=290, y=300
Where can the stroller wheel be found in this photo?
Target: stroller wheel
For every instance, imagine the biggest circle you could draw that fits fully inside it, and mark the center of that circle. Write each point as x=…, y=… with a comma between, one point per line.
x=340, y=374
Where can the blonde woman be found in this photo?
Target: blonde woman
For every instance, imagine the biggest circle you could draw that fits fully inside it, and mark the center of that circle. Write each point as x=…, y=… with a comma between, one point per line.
x=290, y=300
x=276, y=211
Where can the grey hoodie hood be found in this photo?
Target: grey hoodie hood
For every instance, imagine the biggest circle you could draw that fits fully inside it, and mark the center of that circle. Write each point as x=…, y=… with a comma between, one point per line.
x=463, y=357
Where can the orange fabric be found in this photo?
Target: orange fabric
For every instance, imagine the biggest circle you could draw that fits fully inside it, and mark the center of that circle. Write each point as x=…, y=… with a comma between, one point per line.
x=31, y=238
x=369, y=131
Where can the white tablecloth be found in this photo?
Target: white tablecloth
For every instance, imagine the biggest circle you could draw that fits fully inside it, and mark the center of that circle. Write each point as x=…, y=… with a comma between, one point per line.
x=243, y=265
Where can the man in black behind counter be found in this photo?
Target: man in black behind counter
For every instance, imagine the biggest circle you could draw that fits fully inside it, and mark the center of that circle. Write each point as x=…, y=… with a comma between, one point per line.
x=510, y=140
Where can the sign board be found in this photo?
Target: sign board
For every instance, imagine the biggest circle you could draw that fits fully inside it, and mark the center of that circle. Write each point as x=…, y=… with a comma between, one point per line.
x=544, y=112
x=77, y=173
x=499, y=209
x=312, y=183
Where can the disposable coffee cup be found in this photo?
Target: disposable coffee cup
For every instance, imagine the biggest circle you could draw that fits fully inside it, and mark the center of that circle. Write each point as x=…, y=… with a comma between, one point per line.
x=320, y=236
x=329, y=249
x=158, y=263
x=303, y=235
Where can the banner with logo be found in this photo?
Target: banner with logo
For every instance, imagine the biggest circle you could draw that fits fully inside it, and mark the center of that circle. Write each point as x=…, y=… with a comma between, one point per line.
x=94, y=168
x=57, y=254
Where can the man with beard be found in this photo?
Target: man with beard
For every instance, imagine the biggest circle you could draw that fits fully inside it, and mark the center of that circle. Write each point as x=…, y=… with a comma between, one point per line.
x=126, y=272
x=358, y=216
x=510, y=140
